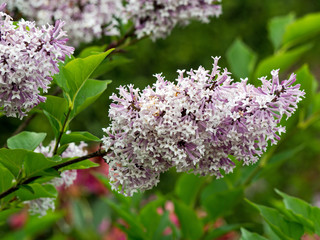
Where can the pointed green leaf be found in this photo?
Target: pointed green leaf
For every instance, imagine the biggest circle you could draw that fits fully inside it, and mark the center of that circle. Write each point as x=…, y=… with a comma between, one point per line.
x=302, y=29
x=78, y=137
x=78, y=71
x=89, y=92
x=315, y=217
x=36, y=163
x=246, y=235
x=282, y=60
x=277, y=27
x=55, y=109
x=26, y=140
x=13, y=160
x=308, y=83
x=241, y=59
x=80, y=165
x=7, y=180
x=38, y=191
x=92, y=50
x=295, y=204
x=299, y=210
x=283, y=227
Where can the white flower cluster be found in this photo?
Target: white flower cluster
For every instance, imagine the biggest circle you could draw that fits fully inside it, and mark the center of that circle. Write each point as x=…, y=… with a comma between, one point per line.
x=89, y=19
x=157, y=18
x=40, y=206
x=194, y=125
x=29, y=56
x=86, y=19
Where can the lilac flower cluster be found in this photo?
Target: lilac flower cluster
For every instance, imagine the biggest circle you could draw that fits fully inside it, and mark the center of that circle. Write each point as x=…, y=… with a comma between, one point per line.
x=89, y=19
x=194, y=125
x=41, y=206
x=157, y=18
x=29, y=56
x=86, y=19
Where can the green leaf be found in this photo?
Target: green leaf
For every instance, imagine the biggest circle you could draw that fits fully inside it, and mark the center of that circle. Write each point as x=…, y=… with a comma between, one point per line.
x=80, y=165
x=92, y=50
x=315, y=217
x=188, y=187
x=241, y=59
x=24, y=163
x=55, y=108
x=302, y=29
x=88, y=94
x=26, y=140
x=277, y=27
x=13, y=160
x=283, y=227
x=7, y=180
x=301, y=210
x=39, y=191
x=246, y=235
x=134, y=224
x=35, y=164
x=216, y=208
x=78, y=137
x=191, y=226
x=295, y=204
x=218, y=232
x=77, y=72
x=282, y=60
x=308, y=83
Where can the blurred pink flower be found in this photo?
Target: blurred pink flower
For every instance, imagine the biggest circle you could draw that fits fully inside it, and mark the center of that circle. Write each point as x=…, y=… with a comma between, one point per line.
x=18, y=220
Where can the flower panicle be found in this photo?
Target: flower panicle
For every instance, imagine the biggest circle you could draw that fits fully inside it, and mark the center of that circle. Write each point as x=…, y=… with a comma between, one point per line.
x=29, y=58
x=198, y=124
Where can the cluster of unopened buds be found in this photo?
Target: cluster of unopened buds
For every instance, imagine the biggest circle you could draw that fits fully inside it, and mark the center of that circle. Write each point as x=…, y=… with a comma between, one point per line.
x=29, y=57
x=194, y=124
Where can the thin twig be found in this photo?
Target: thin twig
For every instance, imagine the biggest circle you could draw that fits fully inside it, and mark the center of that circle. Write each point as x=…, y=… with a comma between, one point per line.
x=98, y=153
x=61, y=132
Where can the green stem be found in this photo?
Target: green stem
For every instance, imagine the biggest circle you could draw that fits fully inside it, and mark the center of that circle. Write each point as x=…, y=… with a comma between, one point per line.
x=98, y=153
x=61, y=132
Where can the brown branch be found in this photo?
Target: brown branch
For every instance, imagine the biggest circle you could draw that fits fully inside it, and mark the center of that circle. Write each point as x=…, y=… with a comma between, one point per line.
x=98, y=153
